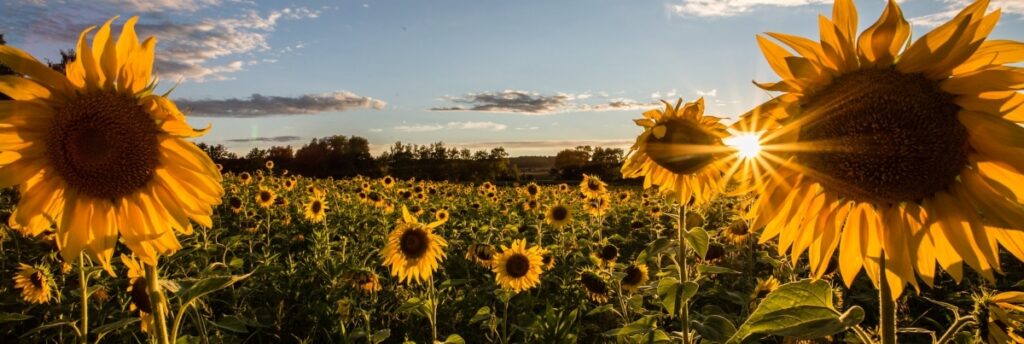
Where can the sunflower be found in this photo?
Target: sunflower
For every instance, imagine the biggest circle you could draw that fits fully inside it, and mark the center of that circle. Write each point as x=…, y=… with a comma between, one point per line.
x=266, y=197
x=592, y=186
x=366, y=281
x=1001, y=317
x=531, y=205
x=606, y=256
x=482, y=254
x=413, y=251
x=518, y=268
x=235, y=204
x=595, y=286
x=35, y=283
x=441, y=215
x=765, y=287
x=137, y=291
x=681, y=151
x=288, y=184
x=738, y=231
x=269, y=164
x=245, y=178
x=532, y=190
x=597, y=206
x=387, y=182
x=558, y=216
x=636, y=276
x=547, y=259
x=563, y=187
x=99, y=154
x=316, y=209
x=901, y=157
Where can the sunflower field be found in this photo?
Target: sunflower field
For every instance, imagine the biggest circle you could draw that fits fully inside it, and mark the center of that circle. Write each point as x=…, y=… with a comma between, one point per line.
x=876, y=198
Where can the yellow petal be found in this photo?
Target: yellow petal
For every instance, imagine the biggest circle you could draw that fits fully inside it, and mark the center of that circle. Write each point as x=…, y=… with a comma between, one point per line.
x=989, y=80
x=126, y=44
x=19, y=88
x=23, y=63
x=853, y=245
x=992, y=53
x=104, y=48
x=84, y=71
x=776, y=57
x=881, y=42
x=1008, y=105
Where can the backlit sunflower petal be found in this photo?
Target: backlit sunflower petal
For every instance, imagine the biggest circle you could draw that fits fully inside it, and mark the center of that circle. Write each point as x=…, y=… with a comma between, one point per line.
x=83, y=72
x=851, y=257
x=992, y=53
x=23, y=63
x=882, y=41
x=19, y=88
x=104, y=230
x=964, y=46
x=807, y=48
x=126, y=46
x=995, y=137
x=1008, y=104
x=776, y=57
x=989, y=80
x=928, y=50
x=105, y=49
x=844, y=15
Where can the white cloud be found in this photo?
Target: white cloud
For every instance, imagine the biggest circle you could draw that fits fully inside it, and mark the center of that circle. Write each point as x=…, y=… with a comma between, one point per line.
x=534, y=103
x=376, y=130
x=477, y=126
x=711, y=93
x=1009, y=7
x=419, y=128
x=259, y=105
x=728, y=8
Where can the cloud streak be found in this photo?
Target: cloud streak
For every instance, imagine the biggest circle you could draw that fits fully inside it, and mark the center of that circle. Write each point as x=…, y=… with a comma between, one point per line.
x=1008, y=7
x=535, y=103
x=729, y=8
x=419, y=128
x=259, y=105
x=267, y=139
x=547, y=144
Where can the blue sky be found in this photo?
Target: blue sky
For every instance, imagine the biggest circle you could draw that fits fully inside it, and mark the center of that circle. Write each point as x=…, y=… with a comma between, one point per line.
x=533, y=76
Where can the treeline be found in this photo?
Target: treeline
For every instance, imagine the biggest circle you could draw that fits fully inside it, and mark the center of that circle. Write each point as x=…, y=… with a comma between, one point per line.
x=340, y=157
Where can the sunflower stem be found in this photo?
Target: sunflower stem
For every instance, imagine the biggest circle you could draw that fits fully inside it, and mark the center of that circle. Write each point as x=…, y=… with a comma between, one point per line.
x=433, y=310
x=957, y=326
x=156, y=300
x=83, y=281
x=684, y=273
x=887, y=307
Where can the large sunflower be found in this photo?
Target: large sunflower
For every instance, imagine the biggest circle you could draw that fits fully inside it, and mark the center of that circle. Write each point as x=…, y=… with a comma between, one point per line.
x=413, y=251
x=681, y=151
x=901, y=157
x=35, y=284
x=518, y=268
x=97, y=153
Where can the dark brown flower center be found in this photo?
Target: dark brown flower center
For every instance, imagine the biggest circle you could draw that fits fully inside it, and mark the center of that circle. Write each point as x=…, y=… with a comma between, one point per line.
x=265, y=196
x=671, y=151
x=484, y=252
x=883, y=136
x=633, y=276
x=609, y=252
x=316, y=207
x=37, y=279
x=518, y=265
x=414, y=243
x=532, y=190
x=594, y=283
x=140, y=297
x=739, y=228
x=559, y=213
x=235, y=203
x=103, y=145
x=593, y=185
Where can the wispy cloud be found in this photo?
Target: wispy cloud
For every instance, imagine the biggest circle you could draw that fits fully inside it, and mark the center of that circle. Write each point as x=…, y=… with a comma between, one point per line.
x=418, y=128
x=267, y=139
x=711, y=93
x=547, y=144
x=535, y=103
x=728, y=8
x=1009, y=7
x=190, y=46
x=260, y=105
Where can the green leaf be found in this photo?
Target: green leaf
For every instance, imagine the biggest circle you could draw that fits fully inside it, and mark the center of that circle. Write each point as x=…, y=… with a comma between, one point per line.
x=232, y=323
x=414, y=305
x=454, y=339
x=600, y=309
x=12, y=317
x=209, y=285
x=482, y=314
x=699, y=240
x=802, y=310
x=114, y=326
x=654, y=248
x=44, y=328
x=380, y=336
x=715, y=328
x=673, y=293
x=705, y=269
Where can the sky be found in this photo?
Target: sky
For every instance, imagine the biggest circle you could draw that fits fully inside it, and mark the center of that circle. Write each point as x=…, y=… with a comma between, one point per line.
x=533, y=76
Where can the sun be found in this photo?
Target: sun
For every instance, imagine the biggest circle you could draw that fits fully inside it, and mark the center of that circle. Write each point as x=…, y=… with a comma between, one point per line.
x=747, y=145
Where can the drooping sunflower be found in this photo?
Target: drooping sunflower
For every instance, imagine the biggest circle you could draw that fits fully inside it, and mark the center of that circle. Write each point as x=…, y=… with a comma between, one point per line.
x=1001, y=317
x=531, y=205
x=895, y=152
x=595, y=286
x=738, y=231
x=266, y=197
x=597, y=206
x=558, y=216
x=245, y=178
x=681, y=151
x=636, y=276
x=140, y=300
x=316, y=208
x=606, y=256
x=365, y=281
x=482, y=254
x=518, y=268
x=413, y=251
x=35, y=283
x=765, y=287
x=99, y=154
x=592, y=186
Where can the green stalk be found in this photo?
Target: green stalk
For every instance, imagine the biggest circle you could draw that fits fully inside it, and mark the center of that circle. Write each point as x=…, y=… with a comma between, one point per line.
x=83, y=281
x=156, y=300
x=684, y=273
x=887, y=307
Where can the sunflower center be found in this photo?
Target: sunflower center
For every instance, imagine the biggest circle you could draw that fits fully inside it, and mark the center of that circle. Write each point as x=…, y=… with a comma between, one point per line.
x=264, y=196
x=517, y=265
x=609, y=252
x=414, y=243
x=104, y=145
x=559, y=213
x=37, y=279
x=883, y=136
x=593, y=283
x=316, y=207
x=633, y=276
x=671, y=151
x=140, y=297
x=235, y=202
x=739, y=228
